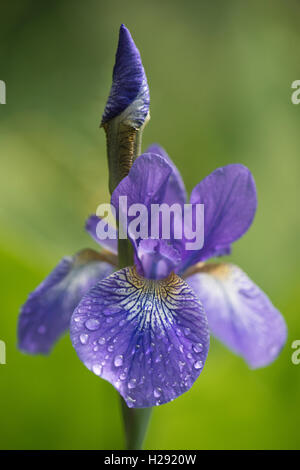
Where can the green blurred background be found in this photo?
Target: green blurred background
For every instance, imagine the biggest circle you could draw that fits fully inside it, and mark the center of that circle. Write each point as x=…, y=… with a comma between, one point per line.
x=220, y=76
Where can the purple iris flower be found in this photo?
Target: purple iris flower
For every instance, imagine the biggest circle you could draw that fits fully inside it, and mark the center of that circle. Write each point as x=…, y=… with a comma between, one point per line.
x=145, y=328
x=148, y=336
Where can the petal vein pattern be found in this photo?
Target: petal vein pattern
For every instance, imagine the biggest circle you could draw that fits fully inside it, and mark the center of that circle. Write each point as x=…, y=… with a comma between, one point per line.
x=148, y=338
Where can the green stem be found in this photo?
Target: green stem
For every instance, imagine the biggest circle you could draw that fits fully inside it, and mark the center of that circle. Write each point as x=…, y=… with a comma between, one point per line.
x=123, y=147
x=136, y=421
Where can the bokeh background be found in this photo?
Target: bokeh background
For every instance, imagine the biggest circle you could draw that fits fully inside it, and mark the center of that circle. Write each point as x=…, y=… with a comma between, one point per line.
x=220, y=75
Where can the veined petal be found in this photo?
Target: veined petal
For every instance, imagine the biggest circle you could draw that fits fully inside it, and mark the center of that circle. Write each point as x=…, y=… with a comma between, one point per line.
x=229, y=198
x=129, y=89
x=150, y=181
x=239, y=313
x=46, y=314
x=156, y=258
x=175, y=179
x=110, y=244
x=149, y=339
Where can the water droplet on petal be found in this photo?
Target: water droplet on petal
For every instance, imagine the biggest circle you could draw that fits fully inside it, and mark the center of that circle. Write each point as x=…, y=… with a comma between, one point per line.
x=198, y=364
x=198, y=347
x=101, y=341
x=123, y=376
x=84, y=338
x=118, y=362
x=187, y=331
x=132, y=383
x=97, y=369
x=92, y=324
x=157, y=392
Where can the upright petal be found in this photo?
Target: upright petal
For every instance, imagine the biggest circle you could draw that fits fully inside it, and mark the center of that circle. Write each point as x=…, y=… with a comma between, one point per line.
x=110, y=244
x=149, y=339
x=229, y=198
x=156, y=258
x=175, y=179
x=150, y=181
x=129, y=89
x=239, y=313
x=46, y=314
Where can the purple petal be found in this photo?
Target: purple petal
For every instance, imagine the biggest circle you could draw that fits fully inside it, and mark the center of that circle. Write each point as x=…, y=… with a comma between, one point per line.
x=46, y=314
x=156, y=258
x=175, y=179
x=149, y=339
x=150, y=181
x=229, y=198
x=110, y=244
x=129, y=87
x=239, y=313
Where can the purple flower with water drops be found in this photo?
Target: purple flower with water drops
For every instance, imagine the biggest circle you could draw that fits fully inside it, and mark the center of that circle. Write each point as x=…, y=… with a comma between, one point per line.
x=150, y=333
x=145, y=328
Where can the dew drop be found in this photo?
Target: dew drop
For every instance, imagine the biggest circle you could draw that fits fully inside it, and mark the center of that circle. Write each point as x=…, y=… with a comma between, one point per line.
x=118, y=362
x=157, y=392
x=92, y=324
x=101, y=341
x=110, y=348
x=132, y=383
x=123, y=376
x=84, y=338
x=97, y=369
x=198, y=347
x=159, y=358
x=187, y=331
x=198, y=364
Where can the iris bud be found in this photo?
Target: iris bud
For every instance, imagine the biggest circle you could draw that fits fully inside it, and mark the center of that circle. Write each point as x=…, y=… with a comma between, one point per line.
x=127, y=109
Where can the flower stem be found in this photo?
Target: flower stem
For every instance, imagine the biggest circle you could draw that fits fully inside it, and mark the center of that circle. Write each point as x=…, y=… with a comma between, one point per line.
x=123, y=147
x=136, y=422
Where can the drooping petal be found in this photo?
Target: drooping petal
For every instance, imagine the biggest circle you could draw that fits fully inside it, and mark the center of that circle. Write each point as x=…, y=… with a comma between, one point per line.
x=175, y=179
x=229, y=198
x=239, y=313
x=149, y=339
x=46, y=314
x=129, y=89
x=110, y=244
